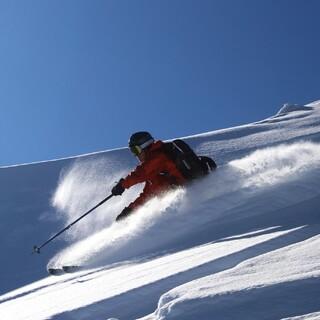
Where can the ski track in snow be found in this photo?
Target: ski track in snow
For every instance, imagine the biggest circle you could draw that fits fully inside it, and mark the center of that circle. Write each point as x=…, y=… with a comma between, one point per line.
x=243, y=241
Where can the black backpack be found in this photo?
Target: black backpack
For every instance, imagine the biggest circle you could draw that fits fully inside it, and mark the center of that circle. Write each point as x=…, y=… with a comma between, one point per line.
x=188, y=163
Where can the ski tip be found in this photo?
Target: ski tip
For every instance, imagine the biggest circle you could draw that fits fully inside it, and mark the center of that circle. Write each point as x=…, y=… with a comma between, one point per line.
x=55, y=271
x=63, y=270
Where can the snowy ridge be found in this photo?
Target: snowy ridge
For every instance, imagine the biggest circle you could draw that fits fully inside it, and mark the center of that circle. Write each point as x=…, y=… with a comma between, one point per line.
x=243, y=241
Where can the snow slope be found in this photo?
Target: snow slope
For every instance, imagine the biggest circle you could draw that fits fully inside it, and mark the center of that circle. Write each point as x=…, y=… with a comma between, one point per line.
x=241, y=244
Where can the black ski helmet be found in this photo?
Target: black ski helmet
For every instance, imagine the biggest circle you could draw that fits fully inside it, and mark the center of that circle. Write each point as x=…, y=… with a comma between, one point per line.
x=141, y=139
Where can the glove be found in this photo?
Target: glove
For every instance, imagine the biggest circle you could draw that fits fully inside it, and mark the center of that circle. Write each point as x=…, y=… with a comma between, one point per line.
x=124, y=214
x=118, y=189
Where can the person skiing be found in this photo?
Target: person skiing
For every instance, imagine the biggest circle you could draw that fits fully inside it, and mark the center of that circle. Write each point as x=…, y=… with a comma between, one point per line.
x=156, y=169
x=163, y=166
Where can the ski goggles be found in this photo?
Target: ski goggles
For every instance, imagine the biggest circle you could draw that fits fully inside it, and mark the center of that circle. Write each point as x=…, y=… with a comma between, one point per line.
x=136, y=150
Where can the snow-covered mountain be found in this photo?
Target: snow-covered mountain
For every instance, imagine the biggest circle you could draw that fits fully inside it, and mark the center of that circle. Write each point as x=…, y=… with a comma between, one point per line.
x=242, y=243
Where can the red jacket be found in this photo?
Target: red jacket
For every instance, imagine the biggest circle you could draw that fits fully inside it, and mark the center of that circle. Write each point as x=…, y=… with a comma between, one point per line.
x=158, y=171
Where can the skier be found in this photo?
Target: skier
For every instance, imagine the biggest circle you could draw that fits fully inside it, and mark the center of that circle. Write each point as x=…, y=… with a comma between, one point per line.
x=157, y=169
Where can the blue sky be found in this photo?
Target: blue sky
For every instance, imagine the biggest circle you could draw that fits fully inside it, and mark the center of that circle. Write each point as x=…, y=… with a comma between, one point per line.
x=81, y=76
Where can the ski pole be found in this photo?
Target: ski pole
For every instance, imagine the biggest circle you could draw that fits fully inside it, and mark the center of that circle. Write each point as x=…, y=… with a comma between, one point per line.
x=36, y=249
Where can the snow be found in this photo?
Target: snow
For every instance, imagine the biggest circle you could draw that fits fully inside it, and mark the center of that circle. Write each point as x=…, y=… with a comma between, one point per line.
x=264, y=278
x=242, y=243
x=287, y=107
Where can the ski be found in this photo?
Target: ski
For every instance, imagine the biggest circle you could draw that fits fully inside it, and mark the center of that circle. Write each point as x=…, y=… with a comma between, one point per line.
x=63, y=270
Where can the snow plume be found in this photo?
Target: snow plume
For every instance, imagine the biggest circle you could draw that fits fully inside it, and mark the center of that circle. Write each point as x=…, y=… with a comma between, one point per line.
x=273, y=165
x=110, y=241
x=258, y=172
x=84, y=184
